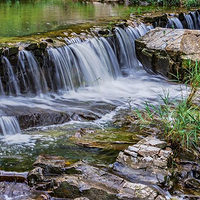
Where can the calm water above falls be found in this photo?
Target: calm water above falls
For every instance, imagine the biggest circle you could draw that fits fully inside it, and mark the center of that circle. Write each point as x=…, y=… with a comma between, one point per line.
x=26, y=17
x=21, y=18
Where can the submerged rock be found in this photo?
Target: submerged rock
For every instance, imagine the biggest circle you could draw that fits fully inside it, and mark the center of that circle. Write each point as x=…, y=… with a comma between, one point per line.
x=13, y=176
x=165, y=51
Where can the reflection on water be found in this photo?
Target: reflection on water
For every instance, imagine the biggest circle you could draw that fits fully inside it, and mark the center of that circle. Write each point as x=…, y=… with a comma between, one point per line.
x=27, y=17
x=19, y=18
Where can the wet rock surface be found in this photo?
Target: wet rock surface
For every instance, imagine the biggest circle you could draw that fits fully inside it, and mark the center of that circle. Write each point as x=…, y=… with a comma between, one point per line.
x=81, y=180
x=111, y=139
x=165, y=51
x=19, y=191
x=38, y=116
x=42, y=119
x=141, y=171
x=188, y=177
x=13, y=176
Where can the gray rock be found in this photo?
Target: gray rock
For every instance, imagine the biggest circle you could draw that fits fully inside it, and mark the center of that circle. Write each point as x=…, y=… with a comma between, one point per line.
x=165, y=51
x=42, y=45
x=87, y=182
x=145, y=161
x=133, y=148
x=13, y=51
x=35, y=176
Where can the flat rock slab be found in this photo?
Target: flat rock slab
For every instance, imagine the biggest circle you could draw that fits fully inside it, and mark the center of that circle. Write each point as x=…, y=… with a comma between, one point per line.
x=165, y=51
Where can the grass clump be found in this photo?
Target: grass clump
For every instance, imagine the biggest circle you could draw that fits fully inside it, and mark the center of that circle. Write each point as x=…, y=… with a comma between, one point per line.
x=178, y=121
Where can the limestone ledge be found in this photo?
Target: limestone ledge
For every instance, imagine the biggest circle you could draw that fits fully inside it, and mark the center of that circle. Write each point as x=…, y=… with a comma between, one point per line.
x=165, y=51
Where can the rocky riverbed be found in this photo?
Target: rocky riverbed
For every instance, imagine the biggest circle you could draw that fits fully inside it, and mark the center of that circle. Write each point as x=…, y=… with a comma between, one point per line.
x=142, y=171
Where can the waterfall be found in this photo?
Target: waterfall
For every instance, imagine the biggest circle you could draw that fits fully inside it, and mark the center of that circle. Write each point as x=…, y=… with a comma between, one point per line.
x=1, y=88
x=133, y=34
x=106, y=55
x=62, y=70
x=189, y=21
x=125, y=50
x=125, y=45
x=73, y=40
x=93, y=69
x=78, y=64
x=11, y=83
x=31, y=76
x=174, y=23
x=196, y=19
x=9, y=125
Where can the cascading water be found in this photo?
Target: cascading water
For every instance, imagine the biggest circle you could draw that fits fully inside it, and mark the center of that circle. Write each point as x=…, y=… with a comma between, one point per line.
x=105, y=53
x=196, y=19
x=31, y=76
x=92, y=62
x=125, y=50
x=73, y=40
x=83, y=81
x=72, y=66
x=125, y=46
x=133, y=34
x=11, y=85
x=174, y=23
x=189, y=21
x=9, y=125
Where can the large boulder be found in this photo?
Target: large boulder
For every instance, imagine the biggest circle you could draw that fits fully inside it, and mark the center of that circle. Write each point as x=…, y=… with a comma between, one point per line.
x=166, y=51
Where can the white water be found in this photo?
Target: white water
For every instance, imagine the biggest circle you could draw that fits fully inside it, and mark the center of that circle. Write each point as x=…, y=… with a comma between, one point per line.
x=77, y=76
x=9, y=125
x=192, y=21
x=132, y=91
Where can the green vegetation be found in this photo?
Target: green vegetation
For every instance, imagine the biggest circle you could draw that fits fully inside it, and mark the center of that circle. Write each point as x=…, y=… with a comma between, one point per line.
x=192, y=3
x=178, y=121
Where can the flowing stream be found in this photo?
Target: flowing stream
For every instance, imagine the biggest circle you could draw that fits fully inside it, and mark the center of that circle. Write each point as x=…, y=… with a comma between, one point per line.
x=81, y=86
x=94, y=79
